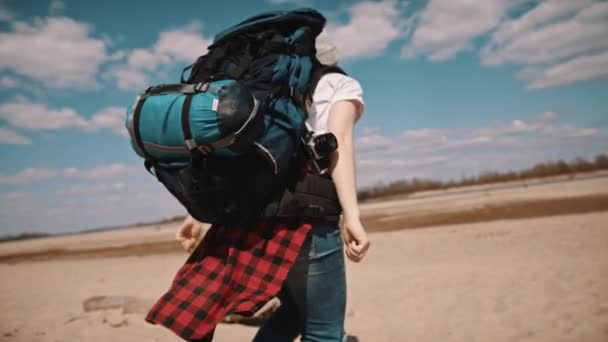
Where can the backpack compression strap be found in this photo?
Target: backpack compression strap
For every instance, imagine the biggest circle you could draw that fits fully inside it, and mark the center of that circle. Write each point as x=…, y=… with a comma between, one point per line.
x=313, y=196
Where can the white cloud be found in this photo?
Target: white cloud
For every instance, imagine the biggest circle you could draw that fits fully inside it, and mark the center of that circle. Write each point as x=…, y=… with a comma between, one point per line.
x=30, y=175
x=9, y=82
x=12, y=196
x=78, y=190
x=447, y=27
x=371, y=27
x=425, y=135
x=181, y=45
x=370, y=130
x=102, y=172
x=112, y=118
x=545, y=12
x=56, y=51
x=432, y=160
x=8, y=136
x=548, y=116
x=36, y=116
x=574, y=70
x=557, y=42
x=451, y=153
x=554, y=30
x=514, y=127
x=128, y=78
x=375, y=141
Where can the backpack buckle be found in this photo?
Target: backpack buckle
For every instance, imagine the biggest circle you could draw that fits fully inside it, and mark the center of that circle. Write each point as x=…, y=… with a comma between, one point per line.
x=201, y=87
x=191, y=144
x=315, y=211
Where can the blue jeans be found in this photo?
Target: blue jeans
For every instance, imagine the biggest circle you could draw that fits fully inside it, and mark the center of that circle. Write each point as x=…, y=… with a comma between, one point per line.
x=316, y=311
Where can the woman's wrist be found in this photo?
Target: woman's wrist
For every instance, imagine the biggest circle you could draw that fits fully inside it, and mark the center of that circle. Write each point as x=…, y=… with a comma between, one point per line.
x=351, y=216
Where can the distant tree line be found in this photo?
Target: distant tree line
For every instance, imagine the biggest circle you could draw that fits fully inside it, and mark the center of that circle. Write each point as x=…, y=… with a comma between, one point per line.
x=23, y=236
x=560, y=167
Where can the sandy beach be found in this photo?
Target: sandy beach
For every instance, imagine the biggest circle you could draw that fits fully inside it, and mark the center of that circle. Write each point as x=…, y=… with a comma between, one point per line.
x=510, y=262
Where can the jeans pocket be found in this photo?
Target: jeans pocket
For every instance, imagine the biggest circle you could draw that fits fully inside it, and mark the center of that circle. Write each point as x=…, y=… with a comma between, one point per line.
x=326, y=239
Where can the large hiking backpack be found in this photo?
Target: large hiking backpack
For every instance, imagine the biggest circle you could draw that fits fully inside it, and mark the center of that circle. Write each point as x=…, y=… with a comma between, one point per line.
x=226, y=140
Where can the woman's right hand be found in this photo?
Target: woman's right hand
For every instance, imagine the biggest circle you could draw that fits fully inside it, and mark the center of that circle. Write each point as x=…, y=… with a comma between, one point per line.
x=355, y=239
x=189, y=233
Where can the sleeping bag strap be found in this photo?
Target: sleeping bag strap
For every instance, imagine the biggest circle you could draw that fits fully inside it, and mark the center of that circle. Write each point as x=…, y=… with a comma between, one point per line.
x=189, y=90
x=190, y=143
x=134, y=125
x=198, y=153
x=184, y=88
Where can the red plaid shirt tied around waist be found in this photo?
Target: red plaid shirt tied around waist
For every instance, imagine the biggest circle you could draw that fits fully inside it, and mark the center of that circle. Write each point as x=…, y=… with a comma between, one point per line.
x=233, y=270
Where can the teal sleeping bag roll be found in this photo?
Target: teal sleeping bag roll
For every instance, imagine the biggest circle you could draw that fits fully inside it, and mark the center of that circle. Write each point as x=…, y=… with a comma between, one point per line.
x=167, y=122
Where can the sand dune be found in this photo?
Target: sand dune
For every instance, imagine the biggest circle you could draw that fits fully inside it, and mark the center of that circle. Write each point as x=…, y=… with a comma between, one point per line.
x=526, y=279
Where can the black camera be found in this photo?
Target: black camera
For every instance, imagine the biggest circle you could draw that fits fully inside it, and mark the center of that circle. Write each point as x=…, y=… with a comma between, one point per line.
x=319, y=146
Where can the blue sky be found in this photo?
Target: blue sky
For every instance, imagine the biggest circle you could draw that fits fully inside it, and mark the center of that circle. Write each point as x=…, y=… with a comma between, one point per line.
x=452, y=87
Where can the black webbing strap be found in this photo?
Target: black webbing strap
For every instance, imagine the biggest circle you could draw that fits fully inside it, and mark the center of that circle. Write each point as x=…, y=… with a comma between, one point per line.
x=312, y=197
x=186, y=117
x=186, y=130
x=181, y=77
x=183, y=88
x=198, y=163
x=136, y=118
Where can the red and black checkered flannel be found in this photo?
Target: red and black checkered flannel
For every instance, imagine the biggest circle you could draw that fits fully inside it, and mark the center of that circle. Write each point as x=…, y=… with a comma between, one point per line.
x=232, y=271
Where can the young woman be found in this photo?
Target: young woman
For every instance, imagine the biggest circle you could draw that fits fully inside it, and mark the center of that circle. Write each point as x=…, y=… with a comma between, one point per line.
x=313, y=294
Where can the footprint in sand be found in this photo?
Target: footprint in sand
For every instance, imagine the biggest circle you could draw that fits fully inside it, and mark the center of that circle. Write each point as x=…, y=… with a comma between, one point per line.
x=11, y=333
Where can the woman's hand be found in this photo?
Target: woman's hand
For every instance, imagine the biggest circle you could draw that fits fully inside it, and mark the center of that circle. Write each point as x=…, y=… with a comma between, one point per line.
x=355, y=238
x=189, y=233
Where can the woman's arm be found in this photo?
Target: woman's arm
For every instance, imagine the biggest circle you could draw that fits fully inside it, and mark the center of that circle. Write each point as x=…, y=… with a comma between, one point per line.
x=342, y=118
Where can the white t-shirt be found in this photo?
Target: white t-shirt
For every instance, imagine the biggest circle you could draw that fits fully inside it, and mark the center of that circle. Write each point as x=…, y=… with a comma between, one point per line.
x=332, y=88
